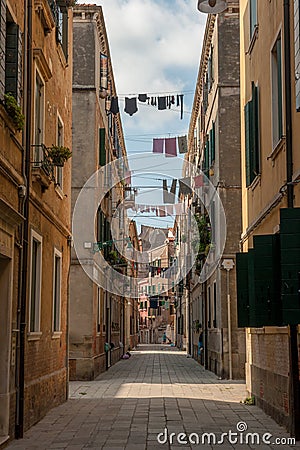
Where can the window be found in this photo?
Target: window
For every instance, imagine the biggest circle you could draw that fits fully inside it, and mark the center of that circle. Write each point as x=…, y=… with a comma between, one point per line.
x=60, y=142
x=35, y=282
x=209, y=308
x=210, y=75
x=297, y=50
x=215, y=305
x=252, y=136
x=276, y=67
x=61, y=22
x=13, y=58
x=253, y=16
x=38, y=118
x=99, y=309
x=57, y=290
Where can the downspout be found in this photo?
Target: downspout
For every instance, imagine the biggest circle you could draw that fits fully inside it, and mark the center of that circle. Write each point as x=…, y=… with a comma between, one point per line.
x=24, y=283
x=293, y=329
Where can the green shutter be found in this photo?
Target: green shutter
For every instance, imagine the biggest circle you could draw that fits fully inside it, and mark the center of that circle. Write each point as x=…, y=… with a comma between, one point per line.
x=102, y=150
x=213, y=142
x=247, y=143
x=266, y=302
x=279, y=79
x=65, y=27
x=12, y=60
x=255, y=132
x=242, y=289
x=290, y=265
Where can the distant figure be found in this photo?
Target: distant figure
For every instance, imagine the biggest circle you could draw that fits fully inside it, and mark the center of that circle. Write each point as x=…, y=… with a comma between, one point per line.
x=200, y=344
x=164, y=339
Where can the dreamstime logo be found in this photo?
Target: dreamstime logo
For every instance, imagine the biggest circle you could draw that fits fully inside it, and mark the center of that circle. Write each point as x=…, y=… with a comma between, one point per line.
x=106, y=183
x=233, y=437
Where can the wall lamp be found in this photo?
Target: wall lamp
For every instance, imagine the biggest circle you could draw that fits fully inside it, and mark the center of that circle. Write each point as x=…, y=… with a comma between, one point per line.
x=212, y=6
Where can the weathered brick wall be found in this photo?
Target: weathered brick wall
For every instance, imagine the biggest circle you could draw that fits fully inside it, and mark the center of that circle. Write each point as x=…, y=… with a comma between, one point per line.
x=41, y=396
x=268, y=369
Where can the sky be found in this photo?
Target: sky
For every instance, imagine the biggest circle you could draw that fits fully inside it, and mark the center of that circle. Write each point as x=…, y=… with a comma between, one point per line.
x=155, y=47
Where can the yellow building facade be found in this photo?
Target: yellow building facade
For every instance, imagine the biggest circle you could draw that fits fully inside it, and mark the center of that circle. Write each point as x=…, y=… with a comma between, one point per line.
x=269, y=267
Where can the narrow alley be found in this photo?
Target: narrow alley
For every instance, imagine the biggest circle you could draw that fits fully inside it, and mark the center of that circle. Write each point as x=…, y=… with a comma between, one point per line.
x=133, y=404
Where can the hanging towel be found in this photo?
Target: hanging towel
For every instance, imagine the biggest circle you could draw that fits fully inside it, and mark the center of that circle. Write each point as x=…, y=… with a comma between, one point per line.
x=162, y=211
x=169, y=197
x=130, y=106
x=182, y=144
x=162, y=103
x=169, y=210
x=128, y=177
x=198, y=181
x=158, y=145
x=185, y=186
x=170, y=147
x=142, y=98
x=114, y=106
x=178, y=209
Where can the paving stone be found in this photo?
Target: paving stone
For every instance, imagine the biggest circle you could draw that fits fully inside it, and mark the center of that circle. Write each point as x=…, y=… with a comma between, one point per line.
x=128, y=406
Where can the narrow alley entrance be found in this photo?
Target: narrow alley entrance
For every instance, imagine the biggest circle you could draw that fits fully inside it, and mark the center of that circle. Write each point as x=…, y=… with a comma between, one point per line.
x=158, y=398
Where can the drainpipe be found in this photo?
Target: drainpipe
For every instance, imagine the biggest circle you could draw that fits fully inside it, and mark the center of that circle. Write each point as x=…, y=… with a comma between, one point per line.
x=293, y=329
x=24, y=284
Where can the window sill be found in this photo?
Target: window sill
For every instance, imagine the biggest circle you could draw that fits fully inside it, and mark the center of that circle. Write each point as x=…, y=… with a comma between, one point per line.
x=34, y=335
x=254, y=183
x=254, y=37
x=59, y=191
x=56, y=334
x=278, y=149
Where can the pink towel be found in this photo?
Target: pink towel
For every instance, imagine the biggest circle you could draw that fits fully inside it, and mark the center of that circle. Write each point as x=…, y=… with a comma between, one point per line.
x=158, y=145
x=170, y=147
x=198, y=181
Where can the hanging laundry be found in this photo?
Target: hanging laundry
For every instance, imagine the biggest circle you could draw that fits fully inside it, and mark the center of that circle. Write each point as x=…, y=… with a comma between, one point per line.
x=114, y=106
x=181, y=105
x=169, y=210
x=143, y=98
x=130, y=106
x=153, y=101
x=198, y=181
x=179, y=209
x=182, y=144
x=170, y=147
x=161, y=211
x=158, y=145
x=162, y=103
x=185, y=186
x=169, y=197
x=128, y=177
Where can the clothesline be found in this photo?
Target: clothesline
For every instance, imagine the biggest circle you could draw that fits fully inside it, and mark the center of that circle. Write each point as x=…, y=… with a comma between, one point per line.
x=162, y=103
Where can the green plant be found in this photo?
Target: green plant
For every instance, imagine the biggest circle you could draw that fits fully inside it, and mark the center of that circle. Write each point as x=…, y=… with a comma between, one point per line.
x=249, y=401
x=59, y=154
x=14, y=110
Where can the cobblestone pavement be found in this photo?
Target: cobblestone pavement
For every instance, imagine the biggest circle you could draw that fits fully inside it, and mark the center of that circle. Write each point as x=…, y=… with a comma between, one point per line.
x=158, y=388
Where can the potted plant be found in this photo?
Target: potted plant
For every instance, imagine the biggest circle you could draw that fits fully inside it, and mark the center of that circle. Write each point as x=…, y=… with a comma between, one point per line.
x=59, y=154
x=14, y=110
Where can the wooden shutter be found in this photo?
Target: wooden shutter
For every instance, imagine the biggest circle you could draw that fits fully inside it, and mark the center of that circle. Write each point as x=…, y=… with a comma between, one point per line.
x=242, y=290
x=247, y=143
x=279, y=86
x=13, y=53
x=65, y=28
x=255, y=132
x=290, y=264
x=102, y=151
x=2, y=47
x=213, y=143
x=266, y=302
